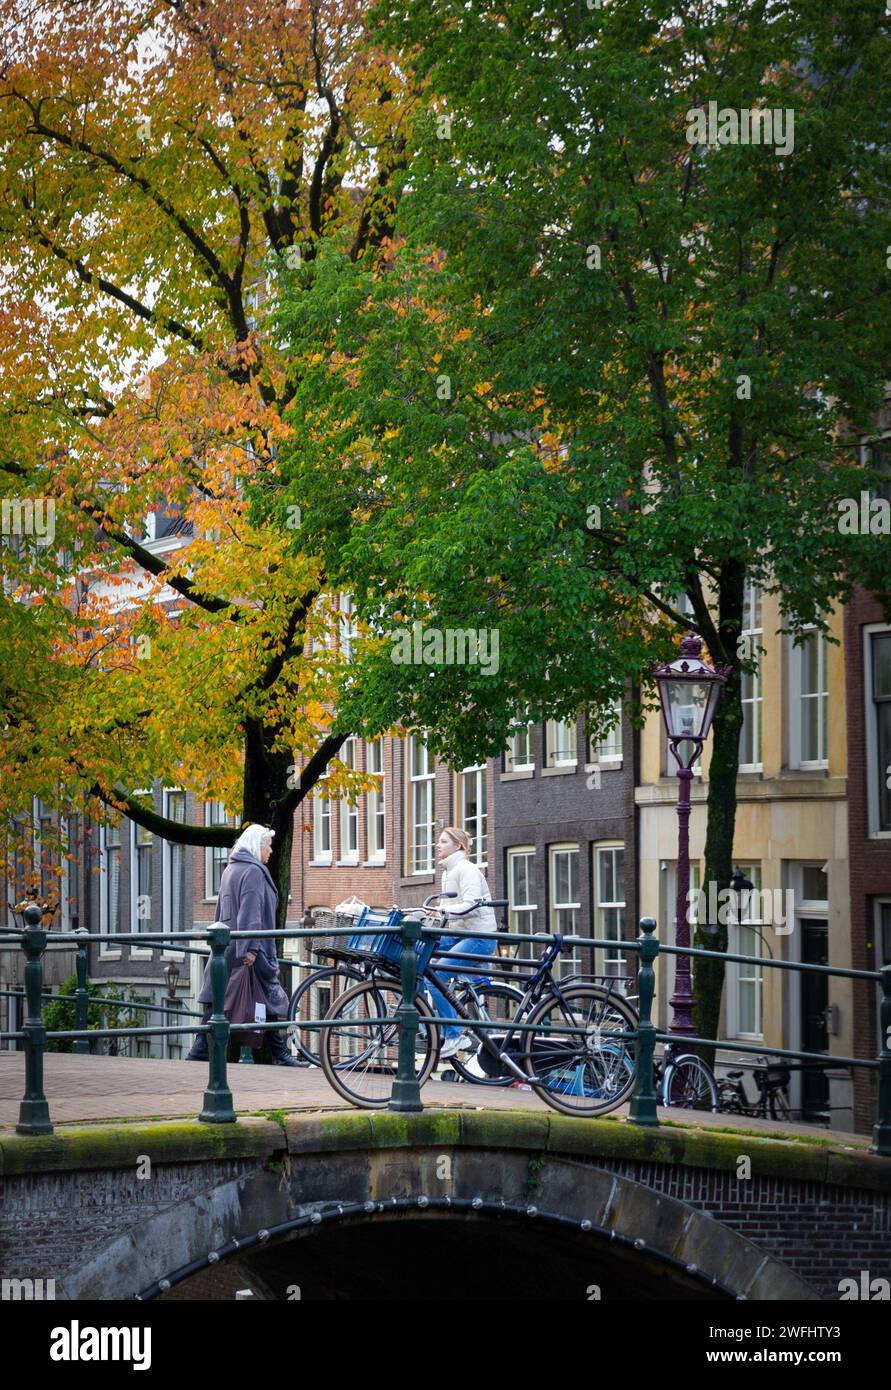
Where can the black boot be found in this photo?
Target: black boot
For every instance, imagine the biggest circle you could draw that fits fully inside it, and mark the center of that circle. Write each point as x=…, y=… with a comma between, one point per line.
x=278, y=1049
x=198, y=1051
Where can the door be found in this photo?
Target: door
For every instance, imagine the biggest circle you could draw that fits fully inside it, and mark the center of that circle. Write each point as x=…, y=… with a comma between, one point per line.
x=814, y=1030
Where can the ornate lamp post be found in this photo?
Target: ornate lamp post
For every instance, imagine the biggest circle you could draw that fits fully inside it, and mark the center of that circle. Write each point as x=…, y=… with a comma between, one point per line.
x=688, y=694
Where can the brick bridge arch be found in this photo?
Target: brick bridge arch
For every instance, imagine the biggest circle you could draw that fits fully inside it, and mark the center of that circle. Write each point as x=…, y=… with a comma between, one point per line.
x=663, y=1210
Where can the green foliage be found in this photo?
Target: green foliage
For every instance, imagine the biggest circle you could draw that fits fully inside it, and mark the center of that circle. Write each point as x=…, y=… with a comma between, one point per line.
x=59, y=1014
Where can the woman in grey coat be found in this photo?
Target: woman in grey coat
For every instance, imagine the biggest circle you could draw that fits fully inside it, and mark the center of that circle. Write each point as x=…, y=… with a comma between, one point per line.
x=247, y=901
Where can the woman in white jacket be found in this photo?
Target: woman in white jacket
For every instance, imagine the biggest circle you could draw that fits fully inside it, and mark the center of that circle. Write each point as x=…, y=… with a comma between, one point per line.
x=461, y=876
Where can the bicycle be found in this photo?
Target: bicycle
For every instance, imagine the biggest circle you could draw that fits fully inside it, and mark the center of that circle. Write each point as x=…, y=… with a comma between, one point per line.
x=580, y=1062
x=683, y=1079
x=773, y=1099
x=352, y=965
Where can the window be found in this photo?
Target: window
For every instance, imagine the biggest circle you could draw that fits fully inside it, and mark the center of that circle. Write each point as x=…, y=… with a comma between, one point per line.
x=71, y=876
x=560, y=740
x=109, y=883
x=609, y=748
x=141, y=878
x=750, y=733
x=348, y=626
x=878, y=732
x=609, y=903
x=421, y=783
x=565, y=901
x=376, y=804
x=520, y=754
x=215, y=855
x=321, y=824
x=174, y=872
x=522, y=906
x=44, y=851
x=809, y=688
x=474, y=810
x=745, y=996
x=349, y=812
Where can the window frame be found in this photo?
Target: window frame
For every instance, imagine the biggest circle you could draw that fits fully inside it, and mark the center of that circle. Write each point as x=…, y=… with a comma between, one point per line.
x=417, y=781
x=212, y=852
x=568, y=964
x=870, y=706
x=552, y=764
x=753, y=607
x=168, y=849
x=113, y=950
x=376, y=807
x=736, y=979
x=348, y=811
x=479, y=836
x=601, y=956
x=797, y=697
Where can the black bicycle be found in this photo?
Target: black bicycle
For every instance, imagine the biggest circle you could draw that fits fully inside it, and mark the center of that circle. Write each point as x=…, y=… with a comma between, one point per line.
x=571, y=1041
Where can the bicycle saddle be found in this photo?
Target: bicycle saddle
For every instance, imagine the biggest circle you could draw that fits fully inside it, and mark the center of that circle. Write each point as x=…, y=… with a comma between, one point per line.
x=734, y=1074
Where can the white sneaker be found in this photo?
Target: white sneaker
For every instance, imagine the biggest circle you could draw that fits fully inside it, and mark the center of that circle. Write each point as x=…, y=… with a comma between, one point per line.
x=452, y=1045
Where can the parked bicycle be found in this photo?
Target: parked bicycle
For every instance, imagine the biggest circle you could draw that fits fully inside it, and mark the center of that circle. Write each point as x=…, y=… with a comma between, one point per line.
x=574, y=1051
x=683, y=1079
x=771, y=1081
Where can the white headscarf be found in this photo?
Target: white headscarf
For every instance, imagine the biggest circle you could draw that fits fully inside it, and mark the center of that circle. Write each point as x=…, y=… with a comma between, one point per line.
x=252, y=839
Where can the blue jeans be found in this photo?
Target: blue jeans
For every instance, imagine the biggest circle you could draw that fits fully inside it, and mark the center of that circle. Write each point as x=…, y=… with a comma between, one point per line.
x=475, y=946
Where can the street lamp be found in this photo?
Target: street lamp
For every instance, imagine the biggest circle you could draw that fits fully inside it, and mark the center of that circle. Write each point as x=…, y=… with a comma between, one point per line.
x=688, y=695
x=171, y=971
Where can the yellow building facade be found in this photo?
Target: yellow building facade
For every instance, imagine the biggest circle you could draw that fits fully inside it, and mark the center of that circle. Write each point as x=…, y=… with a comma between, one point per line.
x=791, y=842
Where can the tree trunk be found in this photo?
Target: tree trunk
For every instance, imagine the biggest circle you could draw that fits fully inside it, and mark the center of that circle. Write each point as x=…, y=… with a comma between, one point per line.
x=708, y=975
x=265, y=788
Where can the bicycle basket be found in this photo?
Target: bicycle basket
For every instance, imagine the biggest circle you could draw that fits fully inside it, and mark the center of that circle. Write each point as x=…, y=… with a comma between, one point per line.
x=388, y=946
x=778, y=1076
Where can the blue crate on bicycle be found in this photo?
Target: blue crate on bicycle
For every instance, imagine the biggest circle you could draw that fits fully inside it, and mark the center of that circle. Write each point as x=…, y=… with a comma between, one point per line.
x=387, y=946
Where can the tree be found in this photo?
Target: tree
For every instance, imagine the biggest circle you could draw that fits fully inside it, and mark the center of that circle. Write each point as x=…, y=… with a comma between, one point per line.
x=608, y=373
x=165, y=165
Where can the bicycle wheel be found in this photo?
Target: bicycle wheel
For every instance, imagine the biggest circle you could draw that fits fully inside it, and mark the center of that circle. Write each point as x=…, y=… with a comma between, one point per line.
x=689, y=1083
x=360, y=1057
x=586, y=1070
x=493, y=1003
x=779, y=1105
x=304, y=1042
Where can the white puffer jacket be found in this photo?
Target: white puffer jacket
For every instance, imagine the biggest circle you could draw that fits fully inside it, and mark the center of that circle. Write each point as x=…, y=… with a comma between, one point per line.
x=461, y=876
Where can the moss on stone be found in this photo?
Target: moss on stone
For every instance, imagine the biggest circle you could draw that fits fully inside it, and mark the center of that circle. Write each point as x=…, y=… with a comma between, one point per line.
x=111, y=1146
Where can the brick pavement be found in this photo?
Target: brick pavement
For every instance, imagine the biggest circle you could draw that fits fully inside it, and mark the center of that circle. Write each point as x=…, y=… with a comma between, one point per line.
x=82, y=1089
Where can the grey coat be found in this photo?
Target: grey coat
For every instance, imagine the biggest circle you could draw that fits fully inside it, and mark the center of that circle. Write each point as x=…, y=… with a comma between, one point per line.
x=247, y=901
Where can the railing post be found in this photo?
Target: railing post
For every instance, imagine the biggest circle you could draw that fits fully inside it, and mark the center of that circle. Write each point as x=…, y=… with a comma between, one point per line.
x=81, y=998
x=643, y=1102
x=34, y=1111
x=881, y=1134
x=218, y=1107
x=406, y=1092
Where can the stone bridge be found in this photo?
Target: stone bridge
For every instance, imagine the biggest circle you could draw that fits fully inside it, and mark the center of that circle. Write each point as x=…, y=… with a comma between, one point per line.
x=452, y=1203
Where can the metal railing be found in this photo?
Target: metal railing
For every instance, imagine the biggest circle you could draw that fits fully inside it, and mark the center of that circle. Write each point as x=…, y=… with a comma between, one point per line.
x=218, y=1105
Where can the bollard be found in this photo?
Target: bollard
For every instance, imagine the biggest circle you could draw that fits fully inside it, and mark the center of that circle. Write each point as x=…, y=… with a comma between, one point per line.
x=218, y=1108
x=881, y=1133
x=34, y=1111
x=81, y=998
x=643, y=1103
x=406, y=1093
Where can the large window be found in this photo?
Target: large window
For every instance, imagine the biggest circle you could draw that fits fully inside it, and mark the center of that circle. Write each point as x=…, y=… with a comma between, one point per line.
x=809, y=688
x=376, y=803
x=565, y=901
x=752, y=631
x=520, y=753
x=421, y=788
x=109, y=883
x=560, y=742
x=215, y=856
x=609, y=748
x=142, y=849
x=521, y=895
x=474, y=810
x=174, y=873
x=878, y=733
x=349, y=812
x=609, y=903
x=321, y=823
x=44, y=851
x=746, y=982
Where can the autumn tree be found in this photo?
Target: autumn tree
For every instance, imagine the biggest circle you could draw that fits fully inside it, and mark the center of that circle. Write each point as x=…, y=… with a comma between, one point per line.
x=618, y=362
x=164, y=164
